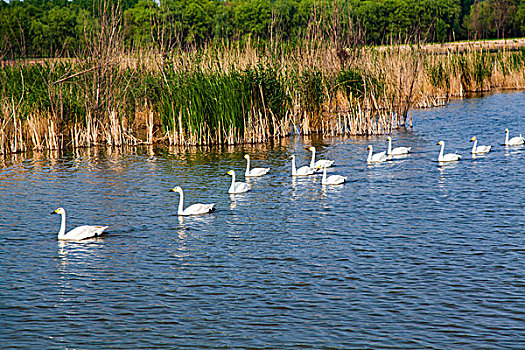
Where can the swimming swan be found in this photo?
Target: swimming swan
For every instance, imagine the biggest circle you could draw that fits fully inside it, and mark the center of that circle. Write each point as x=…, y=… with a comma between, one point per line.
x=479, y=149
x=375, y=158
x=515, y=141
x=78, y=233
x=302, y=171
x=332, y=179
x=237, y=187
x=255, y=171
x=321, y=163
x=398, y=151
x=449, y=157
x=194, y=209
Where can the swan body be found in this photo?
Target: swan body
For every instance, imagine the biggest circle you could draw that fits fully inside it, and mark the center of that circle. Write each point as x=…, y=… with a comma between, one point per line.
x=321, y=163
x=398, y=151
x=237, y=187
x=449, y=157
x=255, y=171
x=375, y=158
x=302, y=171
x=479, y=149
x=515, y=141
x=194, y=209
x=78, y=233
x=332, y=179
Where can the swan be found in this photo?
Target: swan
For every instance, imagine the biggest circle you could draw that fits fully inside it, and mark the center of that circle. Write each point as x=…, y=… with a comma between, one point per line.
x=78, y=233
x=449, y=157
x=479, y=149
x=398, y=151
x=376, y=158
x=194, y=209
x=255, y=171
x=237, y=187
x=332, y=179
x=515, y=141
x=302, y=171
x=321, y=163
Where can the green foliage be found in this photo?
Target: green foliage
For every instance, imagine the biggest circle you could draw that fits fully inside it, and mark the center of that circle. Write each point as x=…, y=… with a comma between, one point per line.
x=312, y=90
x=439, y=75
x=350, y=81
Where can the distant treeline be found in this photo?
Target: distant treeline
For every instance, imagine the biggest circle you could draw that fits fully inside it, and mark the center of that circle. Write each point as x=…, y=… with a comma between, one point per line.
x=49, y=28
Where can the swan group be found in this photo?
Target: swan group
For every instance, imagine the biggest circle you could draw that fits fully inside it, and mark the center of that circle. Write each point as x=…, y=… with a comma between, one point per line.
x=87, y=231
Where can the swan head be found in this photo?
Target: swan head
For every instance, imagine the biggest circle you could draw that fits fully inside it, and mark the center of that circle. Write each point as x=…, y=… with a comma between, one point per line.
x=311, y=148
x=246, y=156
x=506, y=131
x=177, y=189
x=59, y=211
x=231, y=172
x=388, y=138
x=369, y=147
x=292, y=156
x=441, y=143
x=474, y=138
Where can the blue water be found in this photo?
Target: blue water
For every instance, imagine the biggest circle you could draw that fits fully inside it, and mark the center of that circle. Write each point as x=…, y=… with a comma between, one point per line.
x=406, y=255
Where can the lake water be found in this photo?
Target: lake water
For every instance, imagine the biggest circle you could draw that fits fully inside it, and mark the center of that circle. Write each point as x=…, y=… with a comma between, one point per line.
x=405, y=255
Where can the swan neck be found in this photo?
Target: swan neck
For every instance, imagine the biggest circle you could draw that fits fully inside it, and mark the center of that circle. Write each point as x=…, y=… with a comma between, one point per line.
x=312, y=162
x=232, y=187
x=389, y=146
x=441, y=151
x=324, y=175
x=181, y=203
x=247, y=166
x=474, y=147
x=294, y=170
x=369, y=155
x=506, y=138
x=62, y=231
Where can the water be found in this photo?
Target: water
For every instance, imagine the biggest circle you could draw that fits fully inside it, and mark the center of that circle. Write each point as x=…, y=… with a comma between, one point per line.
x=406, y=255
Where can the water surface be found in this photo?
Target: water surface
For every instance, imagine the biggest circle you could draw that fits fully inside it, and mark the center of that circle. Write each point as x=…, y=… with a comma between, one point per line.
x=407, y=254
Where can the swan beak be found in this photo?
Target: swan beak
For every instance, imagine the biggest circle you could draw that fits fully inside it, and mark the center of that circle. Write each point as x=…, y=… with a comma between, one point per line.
x=172, y=190
x=53, y=212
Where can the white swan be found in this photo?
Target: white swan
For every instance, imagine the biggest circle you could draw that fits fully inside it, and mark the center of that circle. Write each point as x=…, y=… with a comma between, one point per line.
x=255, y=171
x=78, y=233
x=449, y=157
x=321, y=163
x=237, y=187
x=302, y=171
x=479, y=149
x=398, y=151
x=375, y=158
x=332, y=179
x=515, y=141
x=194, y=209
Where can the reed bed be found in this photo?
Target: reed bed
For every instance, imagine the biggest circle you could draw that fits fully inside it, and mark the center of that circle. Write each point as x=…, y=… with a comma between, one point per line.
x=229, y=93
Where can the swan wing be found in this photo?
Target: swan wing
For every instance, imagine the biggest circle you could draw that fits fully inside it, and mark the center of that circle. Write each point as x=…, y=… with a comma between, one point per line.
x=305, y=170
x=199, y=208
x=240, y=187
x=450, y=157
x=324, y=163
x=400, y=151
x=483, y=149
x=517, y=140
x=335, y=180
x=258, y=172
x=83, y=232
x=379, y=157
